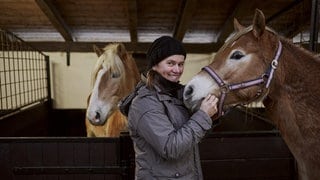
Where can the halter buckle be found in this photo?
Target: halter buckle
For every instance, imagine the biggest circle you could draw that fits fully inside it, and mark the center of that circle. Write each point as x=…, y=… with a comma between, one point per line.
x=274, y=64
x=224, y=88
x=265, y=76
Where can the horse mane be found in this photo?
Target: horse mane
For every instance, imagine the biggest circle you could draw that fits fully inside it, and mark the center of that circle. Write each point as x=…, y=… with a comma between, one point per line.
x=237, y=34
x=299, y=49
x=114, y=66
x=294, y=47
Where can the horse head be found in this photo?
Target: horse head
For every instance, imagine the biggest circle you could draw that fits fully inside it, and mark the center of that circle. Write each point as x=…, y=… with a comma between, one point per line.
x=114, y=76
x=240, y=71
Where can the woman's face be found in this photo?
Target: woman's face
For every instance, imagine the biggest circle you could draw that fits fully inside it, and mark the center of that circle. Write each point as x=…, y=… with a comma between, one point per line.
x=171, y=68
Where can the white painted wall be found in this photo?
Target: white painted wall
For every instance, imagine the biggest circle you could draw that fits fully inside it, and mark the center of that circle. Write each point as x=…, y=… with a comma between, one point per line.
x=193, y=65
x=70, y=85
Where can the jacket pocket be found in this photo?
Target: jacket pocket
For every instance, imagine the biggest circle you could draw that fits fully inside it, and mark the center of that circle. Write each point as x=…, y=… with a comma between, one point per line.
x=171, y=169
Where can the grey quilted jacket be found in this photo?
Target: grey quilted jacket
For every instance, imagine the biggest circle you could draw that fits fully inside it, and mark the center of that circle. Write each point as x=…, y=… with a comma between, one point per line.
x=165, y=135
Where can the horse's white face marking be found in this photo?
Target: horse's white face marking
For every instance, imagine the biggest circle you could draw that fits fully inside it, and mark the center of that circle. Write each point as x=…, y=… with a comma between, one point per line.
x=97, y=105
x=233, y=43
x=202, y=86
x=233, y=65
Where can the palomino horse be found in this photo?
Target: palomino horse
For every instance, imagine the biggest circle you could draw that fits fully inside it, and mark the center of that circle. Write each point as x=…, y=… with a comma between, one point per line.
x=256, y=63
x=115, y=75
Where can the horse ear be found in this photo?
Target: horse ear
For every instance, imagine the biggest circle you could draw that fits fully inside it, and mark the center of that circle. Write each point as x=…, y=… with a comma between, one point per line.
x=122, y=52
x=97, y=50
x=259, y=23
x=237, y=26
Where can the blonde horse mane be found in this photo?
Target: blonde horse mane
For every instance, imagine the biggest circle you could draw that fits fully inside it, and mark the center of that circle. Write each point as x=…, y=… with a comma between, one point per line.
x=112, y=65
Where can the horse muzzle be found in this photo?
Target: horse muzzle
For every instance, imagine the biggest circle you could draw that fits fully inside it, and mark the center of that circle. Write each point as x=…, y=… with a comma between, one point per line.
x=96, y=118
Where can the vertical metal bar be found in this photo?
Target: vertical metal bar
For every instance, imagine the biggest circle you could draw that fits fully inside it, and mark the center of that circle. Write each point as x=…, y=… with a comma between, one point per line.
x=44, y=76
x=30, y=76
x=10, y=71
x=43, y=66
x=68, y=53
x=24, y=75
x=1, y=70
x=14, y=60
x=17, y=69
x=314, y=26
x=19, y=73
x=5, y=73
x=38, y=77
x=33, y=77
x=47, y=60
x=7, y=76
x=2, y=58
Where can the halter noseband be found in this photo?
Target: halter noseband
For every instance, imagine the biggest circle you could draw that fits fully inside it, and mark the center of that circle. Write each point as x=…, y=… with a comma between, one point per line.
x=264, y=79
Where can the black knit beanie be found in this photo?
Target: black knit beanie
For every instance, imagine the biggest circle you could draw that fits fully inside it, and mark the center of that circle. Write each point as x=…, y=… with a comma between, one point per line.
x=162, y=48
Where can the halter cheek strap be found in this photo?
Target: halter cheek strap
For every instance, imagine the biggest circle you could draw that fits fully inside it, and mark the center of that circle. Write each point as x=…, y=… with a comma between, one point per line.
x=226, y=88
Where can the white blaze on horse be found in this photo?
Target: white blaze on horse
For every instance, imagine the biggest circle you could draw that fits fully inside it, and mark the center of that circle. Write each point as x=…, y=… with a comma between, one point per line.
x=256, y=63
x=115, y=75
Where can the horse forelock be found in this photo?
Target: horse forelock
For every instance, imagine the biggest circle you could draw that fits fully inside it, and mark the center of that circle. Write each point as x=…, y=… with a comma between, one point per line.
x=234, y=36
x=110, y=61
x=95, y=71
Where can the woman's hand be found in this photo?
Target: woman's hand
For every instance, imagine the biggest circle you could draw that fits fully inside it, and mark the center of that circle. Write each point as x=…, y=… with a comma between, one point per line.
x=209, y=105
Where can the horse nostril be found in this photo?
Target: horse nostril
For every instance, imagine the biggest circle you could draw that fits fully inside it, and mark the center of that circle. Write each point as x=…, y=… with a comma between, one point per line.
x=97, y=115
x=189, y=91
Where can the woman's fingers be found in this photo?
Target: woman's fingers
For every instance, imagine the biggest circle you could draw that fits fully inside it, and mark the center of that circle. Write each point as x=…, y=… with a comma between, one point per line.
x=209, y=104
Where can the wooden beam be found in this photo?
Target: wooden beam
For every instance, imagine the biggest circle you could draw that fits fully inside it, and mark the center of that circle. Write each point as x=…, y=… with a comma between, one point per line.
x=298, y=26
x=245, y=8
x=187, y=10
x=136, y=48
x=133, y=19
x=283, y=11
x=202, y=48
x=55, y=18
x=83, y=46
x=242, y=9
x=294, y=28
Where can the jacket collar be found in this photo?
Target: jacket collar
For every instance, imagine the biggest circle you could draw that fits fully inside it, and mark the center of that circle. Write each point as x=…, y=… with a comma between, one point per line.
x=165, y=86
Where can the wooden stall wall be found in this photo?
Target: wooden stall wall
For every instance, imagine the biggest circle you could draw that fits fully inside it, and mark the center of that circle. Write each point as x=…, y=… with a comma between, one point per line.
x=33, y=122
x=223, y=157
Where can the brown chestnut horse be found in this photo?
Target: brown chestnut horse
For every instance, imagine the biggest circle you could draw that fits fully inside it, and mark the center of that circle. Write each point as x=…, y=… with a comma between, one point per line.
x=256, y=63
x=114, y=77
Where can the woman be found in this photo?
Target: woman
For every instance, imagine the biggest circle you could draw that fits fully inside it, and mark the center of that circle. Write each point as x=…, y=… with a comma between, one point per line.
x=164, y=133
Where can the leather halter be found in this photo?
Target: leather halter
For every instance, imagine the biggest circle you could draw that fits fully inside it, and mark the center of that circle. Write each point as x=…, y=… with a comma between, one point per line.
x=263, y=79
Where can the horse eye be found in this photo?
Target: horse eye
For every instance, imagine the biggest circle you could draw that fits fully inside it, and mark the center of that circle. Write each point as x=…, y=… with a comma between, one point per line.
x=237, y=55
x=115, y=75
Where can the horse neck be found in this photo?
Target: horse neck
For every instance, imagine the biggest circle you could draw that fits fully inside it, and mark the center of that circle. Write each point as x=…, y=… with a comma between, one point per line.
x=292, y=104
x=294, y=94
x=116, y=124
x=297, y=74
